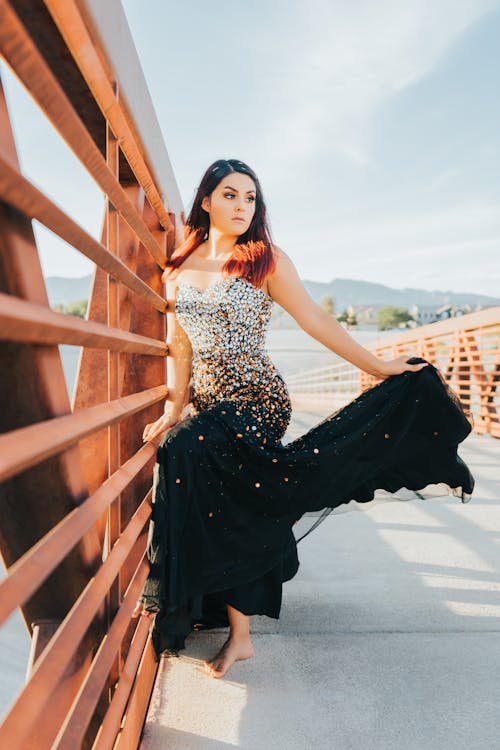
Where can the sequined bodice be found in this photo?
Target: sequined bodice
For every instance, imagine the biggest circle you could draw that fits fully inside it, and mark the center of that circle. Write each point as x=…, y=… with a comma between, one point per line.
x=226, y=320
x=226, y=324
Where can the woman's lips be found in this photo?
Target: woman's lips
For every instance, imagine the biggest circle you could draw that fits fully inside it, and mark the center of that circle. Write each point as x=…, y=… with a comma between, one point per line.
x=238, y=218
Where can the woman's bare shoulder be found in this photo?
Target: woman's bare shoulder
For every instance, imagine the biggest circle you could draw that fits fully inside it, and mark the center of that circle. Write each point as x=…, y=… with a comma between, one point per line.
x=173, y=276
x=283, y=262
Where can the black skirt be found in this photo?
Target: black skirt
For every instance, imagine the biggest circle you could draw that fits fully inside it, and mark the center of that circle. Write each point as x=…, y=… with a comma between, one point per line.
x=228, y=495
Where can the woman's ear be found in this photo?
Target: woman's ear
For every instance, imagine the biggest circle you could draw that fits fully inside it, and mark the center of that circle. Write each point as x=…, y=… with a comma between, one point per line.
x=205, y=203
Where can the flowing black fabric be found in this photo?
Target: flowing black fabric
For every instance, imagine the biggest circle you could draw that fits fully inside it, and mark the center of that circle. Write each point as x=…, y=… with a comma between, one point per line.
x=228, y=494
x=229, y=491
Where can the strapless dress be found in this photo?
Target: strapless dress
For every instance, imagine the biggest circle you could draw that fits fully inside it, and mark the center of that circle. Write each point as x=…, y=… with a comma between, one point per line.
x=229, y=490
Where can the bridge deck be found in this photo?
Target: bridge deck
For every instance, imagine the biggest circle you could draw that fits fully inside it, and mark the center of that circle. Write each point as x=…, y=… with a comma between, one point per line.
x=388, y=637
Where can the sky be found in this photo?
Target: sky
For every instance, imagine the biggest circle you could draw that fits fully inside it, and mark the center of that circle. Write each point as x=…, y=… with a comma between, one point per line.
x=373, y=128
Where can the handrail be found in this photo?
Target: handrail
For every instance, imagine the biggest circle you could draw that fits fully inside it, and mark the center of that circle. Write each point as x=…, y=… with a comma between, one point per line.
x=21, y=194
x=77, y=721
x=465, y=349
x=34, y=567
x=110, y=727
x=75, y=546
x=24, y=321
x=27, y=446
x=50, y=667
x=76, y=35
x=25, y=60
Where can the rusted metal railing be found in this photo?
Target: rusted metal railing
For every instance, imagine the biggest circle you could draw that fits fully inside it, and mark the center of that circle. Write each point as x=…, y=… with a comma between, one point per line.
x=76, y=478
x=465, y=349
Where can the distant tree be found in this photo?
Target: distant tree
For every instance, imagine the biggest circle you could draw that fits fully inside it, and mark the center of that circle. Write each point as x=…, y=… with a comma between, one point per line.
x=349, y=317
x=391, y=317
x=59, y=308
x=351, y=320
x=78, y=308
x=328, y=305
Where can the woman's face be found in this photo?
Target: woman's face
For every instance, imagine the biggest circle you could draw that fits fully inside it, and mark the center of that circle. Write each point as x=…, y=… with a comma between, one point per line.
x=231, y=205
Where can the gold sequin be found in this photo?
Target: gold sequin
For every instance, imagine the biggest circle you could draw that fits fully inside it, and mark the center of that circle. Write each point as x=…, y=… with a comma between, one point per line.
x=201, y=437
x=226, y=325
x=257, y=484
x=177, y=481
x=315, y=450
x=210, y=515
x=386, y=435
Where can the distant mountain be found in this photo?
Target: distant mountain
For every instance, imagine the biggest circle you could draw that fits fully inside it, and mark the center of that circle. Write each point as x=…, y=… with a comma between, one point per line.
x=62, y=290
x=351, y=292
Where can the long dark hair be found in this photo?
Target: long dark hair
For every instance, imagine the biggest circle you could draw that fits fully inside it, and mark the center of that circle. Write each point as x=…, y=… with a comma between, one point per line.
x=253, y=255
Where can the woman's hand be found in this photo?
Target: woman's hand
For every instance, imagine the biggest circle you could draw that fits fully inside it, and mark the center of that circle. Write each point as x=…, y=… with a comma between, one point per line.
x=156, y=429
x=140, y=611
x=398, y=365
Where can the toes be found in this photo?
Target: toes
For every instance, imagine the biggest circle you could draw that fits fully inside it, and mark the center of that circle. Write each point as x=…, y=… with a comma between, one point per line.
x=214, y=668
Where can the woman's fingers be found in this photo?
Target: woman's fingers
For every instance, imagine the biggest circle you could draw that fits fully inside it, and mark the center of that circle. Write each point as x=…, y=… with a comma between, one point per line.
x=155, y=432
x=152, y=429
x=420, y=366
x=137, y=610
x=140, y=611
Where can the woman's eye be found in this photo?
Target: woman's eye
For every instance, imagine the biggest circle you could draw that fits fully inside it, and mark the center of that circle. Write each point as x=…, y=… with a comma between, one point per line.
x=229, y=195
x=251, y=198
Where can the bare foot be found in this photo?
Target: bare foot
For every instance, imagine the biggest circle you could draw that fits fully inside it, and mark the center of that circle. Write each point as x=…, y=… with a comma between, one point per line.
x=234, y=649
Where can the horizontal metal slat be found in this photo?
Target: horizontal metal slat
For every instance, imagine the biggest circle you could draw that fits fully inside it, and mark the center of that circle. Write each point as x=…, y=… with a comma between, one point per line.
x=69, y=21
x=37, y=324
x=33, y=568
x=30, y=67
x=18, y=192
x=27, y=446
x=73, y=730
x=110, y=726
x=54, y=659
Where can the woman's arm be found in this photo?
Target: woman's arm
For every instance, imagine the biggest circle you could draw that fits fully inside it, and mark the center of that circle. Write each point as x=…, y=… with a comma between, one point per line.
x=179, y=361
x=286, y=288
x=179, y=358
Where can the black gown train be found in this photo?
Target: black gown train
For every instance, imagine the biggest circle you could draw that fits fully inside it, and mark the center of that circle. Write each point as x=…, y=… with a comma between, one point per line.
x=229, y=491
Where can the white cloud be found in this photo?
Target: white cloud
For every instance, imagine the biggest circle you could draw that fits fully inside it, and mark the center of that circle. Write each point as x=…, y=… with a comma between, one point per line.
x=441, y=249
x=353, y=57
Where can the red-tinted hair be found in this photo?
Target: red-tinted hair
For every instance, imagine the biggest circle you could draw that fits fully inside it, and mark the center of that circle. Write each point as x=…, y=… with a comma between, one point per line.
x=253, y=256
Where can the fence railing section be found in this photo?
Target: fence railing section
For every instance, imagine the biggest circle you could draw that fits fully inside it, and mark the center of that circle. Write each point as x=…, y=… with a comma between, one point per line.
x=332, y=385
x=76, y=481
x=465, y=349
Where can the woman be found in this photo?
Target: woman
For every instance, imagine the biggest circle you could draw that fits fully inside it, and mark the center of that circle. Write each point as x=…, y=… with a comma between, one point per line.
x=229, y=491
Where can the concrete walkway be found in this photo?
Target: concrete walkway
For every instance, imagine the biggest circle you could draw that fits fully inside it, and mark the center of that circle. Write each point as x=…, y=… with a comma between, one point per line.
x=388, y=638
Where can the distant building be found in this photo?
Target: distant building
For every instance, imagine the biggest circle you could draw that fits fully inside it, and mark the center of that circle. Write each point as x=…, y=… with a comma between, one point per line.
x=425, y=314
x=366, y=315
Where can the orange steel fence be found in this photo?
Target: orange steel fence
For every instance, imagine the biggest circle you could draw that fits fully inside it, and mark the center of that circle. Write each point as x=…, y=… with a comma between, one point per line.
x=76, y=479
x=465, y=349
